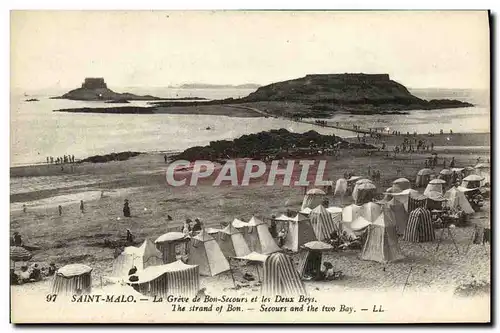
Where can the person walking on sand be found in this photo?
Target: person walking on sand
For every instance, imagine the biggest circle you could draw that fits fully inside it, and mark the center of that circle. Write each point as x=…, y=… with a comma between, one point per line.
x=126, y=209
x=452, y=162
x=130, y=237
x=60, y=210
x=82, y=207
x=165, y=158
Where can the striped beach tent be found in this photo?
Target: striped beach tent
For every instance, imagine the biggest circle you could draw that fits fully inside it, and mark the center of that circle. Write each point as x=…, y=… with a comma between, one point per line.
x=167, y=244
x=259, y=238
x=141, y=257
x=381, y=243
x=300, y=231
x=231, y=242
x=281, y=277
x=313, y=198
x=176, y=278
x=72, y=280
x=419, y=228
x=415, y=201
x=323, y=222
x=205, y=252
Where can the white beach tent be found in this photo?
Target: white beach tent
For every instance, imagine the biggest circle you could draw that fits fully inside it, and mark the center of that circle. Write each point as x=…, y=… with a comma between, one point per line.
x=259, y=238
x=300, y=231
x=483, y=170
x=381, y=243
x=141, y=257
x=400, y=184
x=205, y=252
x=456, y=199
x=435, y=185
x=231, y=242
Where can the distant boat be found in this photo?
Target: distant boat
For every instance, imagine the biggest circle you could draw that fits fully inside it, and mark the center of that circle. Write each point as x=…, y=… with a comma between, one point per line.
x=208, y=128
x=32, y=100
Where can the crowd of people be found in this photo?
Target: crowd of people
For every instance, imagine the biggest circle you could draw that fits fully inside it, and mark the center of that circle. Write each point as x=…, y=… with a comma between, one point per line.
x=61, y=160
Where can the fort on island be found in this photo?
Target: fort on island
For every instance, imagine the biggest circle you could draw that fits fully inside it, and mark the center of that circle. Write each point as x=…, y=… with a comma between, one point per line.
x=94, y=83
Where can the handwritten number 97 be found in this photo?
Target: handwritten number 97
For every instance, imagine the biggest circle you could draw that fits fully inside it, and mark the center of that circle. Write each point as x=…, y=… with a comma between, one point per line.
x=51, y=298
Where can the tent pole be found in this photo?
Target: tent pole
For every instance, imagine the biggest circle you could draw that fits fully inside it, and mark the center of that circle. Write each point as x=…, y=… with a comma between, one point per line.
x=453, y=239
x=232, y=275
x=407, y=278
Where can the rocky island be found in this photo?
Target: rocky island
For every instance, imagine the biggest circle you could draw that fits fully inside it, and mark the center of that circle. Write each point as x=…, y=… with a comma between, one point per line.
x=96, y=89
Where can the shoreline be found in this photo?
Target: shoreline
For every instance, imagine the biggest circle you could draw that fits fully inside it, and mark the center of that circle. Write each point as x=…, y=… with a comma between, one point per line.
x=458, y=141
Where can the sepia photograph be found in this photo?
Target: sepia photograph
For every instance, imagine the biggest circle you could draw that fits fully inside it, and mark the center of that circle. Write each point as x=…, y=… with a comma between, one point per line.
x=312, y=166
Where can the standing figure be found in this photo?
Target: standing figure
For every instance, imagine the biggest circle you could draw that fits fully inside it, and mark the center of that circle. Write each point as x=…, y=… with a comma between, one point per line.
x=82, y=207
x=126, y=209
x=60, y=210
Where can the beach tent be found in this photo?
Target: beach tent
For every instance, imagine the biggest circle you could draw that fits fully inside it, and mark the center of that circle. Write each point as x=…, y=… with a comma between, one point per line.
x=354, y=179
x=140, y=257
x=325, y=223
x=446, y=175
x=395, y=214
x=313, y=198
x=472, y=181
x=400, y=184
x=381, y=243
x=404, y=196
x=300, y=231
x=483, y=170
x=369, y=213
x=176, y=278
x=350, y=213
x=72, y=279
x=281, y=277
x=457, y=199
x=231, y=242
x=167, y=244
x=259, y=238
x=435, y=200
x=419, y=228
x=423, y=177
x=435, y=185
x=205, y=252
x=416, y=200
x=340, y=187
x=363, y=193
x=311, y=257
x=239, y=224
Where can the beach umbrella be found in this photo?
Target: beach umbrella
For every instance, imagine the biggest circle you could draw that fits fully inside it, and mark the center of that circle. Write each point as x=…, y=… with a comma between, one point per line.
x=437, y=181
x=364, y=181
x=425, y=172
x=354, y=178
x=317, y=246
x=316, y=191
x=401, y=181
x=457, y=169
x=18, y=253
x=482, y=166
x=473, y=178
x=445, y=172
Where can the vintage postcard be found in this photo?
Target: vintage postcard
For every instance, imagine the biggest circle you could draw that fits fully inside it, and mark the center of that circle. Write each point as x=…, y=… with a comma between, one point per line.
x=250, y=167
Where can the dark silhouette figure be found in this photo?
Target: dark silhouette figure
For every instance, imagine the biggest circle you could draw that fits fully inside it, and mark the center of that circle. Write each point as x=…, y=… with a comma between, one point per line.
x=130, y=237
x=126, y=209
x=17, y=240
x=60, y=210
x=169, y=218
x=82, y=207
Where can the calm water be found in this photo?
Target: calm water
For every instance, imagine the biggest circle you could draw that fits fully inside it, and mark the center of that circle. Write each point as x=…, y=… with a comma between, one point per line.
x=37, y=132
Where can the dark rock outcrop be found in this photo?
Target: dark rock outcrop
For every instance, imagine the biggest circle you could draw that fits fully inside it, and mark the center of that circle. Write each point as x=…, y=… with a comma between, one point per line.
x=274, y=143
x=95, y=89
x=122, y=156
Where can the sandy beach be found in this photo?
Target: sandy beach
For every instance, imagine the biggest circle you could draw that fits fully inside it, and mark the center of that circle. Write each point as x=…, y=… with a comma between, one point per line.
x=77, y=237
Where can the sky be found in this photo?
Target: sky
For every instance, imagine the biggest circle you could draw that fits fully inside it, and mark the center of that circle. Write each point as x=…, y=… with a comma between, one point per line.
x=161, y=48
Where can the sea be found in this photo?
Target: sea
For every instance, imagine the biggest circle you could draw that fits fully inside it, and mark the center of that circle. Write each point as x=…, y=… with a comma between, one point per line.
x=37, y=132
